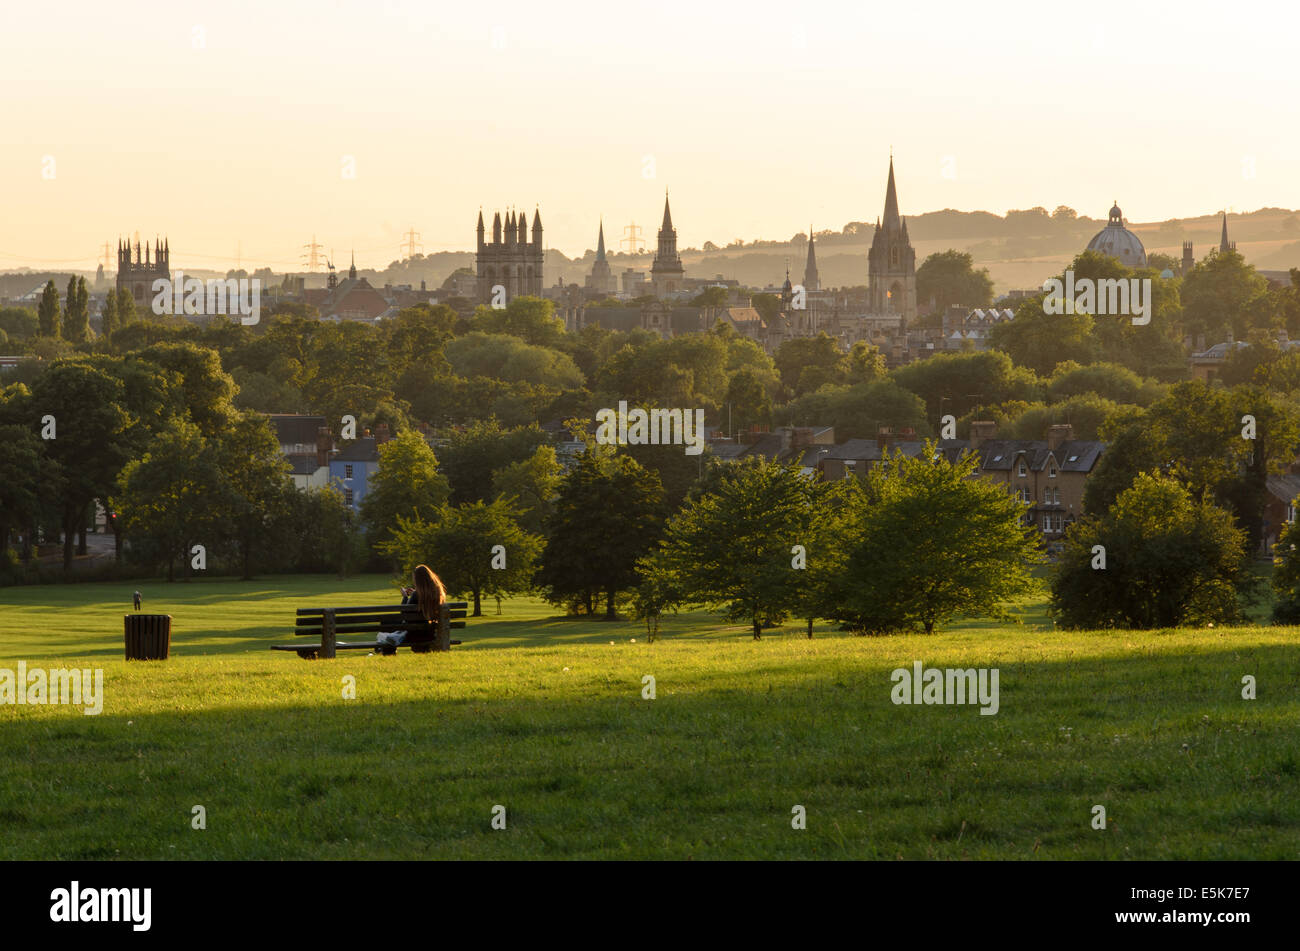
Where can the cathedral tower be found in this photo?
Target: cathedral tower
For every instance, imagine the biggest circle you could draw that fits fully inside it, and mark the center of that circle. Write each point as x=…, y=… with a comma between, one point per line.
x=138, y=275
x=666, y=272
x=511, y=260
x=891, y=263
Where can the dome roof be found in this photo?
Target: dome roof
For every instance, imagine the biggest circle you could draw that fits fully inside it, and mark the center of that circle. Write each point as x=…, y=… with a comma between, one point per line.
x=1120, y=243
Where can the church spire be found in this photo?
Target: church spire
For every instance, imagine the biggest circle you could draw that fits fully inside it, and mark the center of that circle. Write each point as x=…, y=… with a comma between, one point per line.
x=892, y=221
x=1224, y=246
x=352, y=271
x=668, y=215
x=600, y=241
x=811, y=280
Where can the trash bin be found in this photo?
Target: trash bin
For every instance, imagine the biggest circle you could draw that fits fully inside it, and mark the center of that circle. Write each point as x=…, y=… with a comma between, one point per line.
x=148, y=636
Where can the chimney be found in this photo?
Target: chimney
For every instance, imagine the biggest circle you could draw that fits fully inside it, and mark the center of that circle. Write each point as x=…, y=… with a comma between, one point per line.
x=381, y=434
x=1057, y=434
x=884, y=438
x=981, y=431
x=324, y=445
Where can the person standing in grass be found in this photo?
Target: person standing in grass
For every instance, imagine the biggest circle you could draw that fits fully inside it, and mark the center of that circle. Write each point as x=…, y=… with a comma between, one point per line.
x=427, y=592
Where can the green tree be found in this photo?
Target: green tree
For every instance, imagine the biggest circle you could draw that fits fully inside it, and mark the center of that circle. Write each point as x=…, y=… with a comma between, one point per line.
x=933, y=542
x=108, y=319
x=407, y=483
x=949, y=278
x=736, y=548
x=48, y=311
x=90, y=437
x=473, y=455
x=532, y=319
x=1286, y=575
x=480, y=549
x=1224, y=294
x=171, y=498
x=76, y=321
x=21, y=483
x=1169, y=560
x=257, y=492
x=609, y=512
x=126, y=312
x=807, y=363
x=532, y=484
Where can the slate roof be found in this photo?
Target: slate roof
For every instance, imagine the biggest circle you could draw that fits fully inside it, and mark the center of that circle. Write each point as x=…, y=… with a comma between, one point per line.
x=293, y=429
x=362, y=450
x=1284, y=487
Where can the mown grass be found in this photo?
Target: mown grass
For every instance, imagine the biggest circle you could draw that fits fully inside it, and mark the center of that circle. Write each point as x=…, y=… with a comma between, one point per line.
x=545, y=716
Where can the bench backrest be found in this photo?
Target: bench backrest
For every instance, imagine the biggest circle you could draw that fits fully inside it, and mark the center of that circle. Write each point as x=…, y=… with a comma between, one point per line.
x=374, y=619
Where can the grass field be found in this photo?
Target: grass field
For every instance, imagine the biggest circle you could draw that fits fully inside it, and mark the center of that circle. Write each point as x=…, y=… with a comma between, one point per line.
x=545, y=716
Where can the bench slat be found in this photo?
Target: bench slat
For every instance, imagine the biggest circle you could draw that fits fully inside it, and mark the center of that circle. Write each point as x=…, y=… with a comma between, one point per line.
x=454, y=605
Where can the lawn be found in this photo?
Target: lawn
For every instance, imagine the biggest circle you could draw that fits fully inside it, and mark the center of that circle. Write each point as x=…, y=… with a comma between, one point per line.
x=545, y=716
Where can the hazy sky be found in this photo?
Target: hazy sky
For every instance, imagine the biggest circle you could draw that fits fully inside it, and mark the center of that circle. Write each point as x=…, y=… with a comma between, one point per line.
x=225, y=124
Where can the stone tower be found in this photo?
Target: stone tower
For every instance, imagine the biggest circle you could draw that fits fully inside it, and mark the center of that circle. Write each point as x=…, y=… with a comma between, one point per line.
x=138, y=275
x=601, y=279
x=1189, y=259
x=891, y=263
x=510, y=260
x=666, y=272
x=1224, y=244
x=811, y=281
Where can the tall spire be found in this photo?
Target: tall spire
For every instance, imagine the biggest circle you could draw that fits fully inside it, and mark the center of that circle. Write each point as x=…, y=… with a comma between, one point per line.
x=668, y=215
x=811, y=280
x=352, y=271
x=600, y=241
x=892, y=222
x=1224, y=247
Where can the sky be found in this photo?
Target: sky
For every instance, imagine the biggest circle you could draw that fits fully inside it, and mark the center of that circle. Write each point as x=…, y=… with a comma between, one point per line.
x=243, y=131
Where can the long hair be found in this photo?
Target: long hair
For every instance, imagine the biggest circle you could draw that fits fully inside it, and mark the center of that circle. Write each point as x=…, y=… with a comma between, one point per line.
x=429, y=591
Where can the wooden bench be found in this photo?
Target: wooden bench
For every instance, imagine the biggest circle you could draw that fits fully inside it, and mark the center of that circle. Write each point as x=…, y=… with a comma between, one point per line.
x=327, y=624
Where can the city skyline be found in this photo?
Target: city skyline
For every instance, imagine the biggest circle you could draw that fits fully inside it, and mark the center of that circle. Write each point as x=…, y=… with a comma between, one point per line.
x=238, y=128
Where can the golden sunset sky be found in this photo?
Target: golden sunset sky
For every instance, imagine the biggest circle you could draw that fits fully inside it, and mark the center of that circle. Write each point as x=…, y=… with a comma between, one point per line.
x=228, y=125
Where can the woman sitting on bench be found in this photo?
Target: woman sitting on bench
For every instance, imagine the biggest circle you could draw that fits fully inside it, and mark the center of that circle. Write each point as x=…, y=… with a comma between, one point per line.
x=428, y=593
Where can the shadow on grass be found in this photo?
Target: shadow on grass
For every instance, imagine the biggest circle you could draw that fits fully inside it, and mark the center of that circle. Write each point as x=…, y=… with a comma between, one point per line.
x=710, y=769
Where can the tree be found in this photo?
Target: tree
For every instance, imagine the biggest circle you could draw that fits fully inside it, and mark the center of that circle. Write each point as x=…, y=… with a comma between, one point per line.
x=19, y=322
x=532, y=485
x=257, y=491
x=1039, y=340
x=736, y=548
x=48, y=311
x=532, y=319
x=859, y=412
x=108, y=320
x=25, y=477
x=90, y=437
x=1158, y=558
x=1286, y=575
x=609, y=512
x=171, y=498
x=511, y=360
x=807, y=363
x=126, y=313
x=473, y=455
x=748, y=400
x=949, y=278
x=931, y=542
x=1223, y=293
x=76, y=322
x=957, y=382
x=407, y=484
x=480, y=549
x=206, y=390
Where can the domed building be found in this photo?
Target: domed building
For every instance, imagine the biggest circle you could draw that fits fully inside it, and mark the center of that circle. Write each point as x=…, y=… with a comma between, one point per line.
x=1120, y=243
